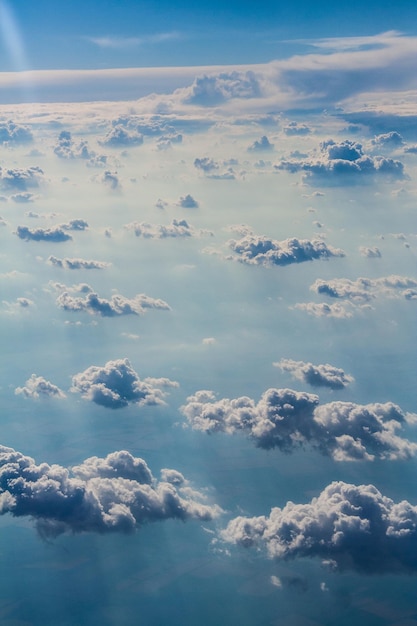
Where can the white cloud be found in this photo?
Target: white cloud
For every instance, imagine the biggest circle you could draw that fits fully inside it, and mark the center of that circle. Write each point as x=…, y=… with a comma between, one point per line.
x=116, y=385
x=38, y=387
x=288, y=419
x=316, y=375
x=12, y=133
x=349, y=527
x=365, y=289
x=56, y=234
x=76, y=264
x=116, y=306
x=177, y=228
x=117, y=493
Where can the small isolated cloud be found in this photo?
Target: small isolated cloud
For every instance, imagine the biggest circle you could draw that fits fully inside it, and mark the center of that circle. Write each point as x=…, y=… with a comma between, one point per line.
x=77, y=264
x=365, y=289
x=188, y=202
x=38, y=387
x=66, y=148
x=209, y=341
x=316, y=375
x=114, y=494
x=261, y=145
x=389, y=141
x=121, y=137
x=110, y=179
x=349, y=527
x=322, y=309
x=12, y=133
x=56, y=234
x=177, y=228
x=287, y=420
x=370, y=253
x=116, y=385
x=217, y=89
x=21, y=179
x=295, y=128
x=23, y=197
x=214, y=169
x=117, y=305
x=260, y=250
x=343, y=163
x=77, y=224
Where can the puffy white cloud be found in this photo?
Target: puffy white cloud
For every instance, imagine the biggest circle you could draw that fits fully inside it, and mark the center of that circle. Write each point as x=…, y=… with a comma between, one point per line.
x=67, y=149
x=116, y=385
x=323, y=375
x=38, y=387
x=288, y=419
x=370, y=253
x=117, y=305
x=214, y=169
x=20, y=179
x=322, y=309
x=76, y=264
x=343, y=163
x=188, y=202
x=56, y=234
x=119, y=136
x=23, y=197
x=390, y=141
x=260, y=250
x=216, y=89
x=12, y=133
x=177, y=228
x=364, y=289
x=349, y=527
x=77, y=224
x=110, y=179
x=117, y=493
x=261, y=145
x=296, y=128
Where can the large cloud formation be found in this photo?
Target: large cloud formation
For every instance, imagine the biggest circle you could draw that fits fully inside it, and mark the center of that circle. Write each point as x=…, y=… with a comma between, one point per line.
x=343, y=163
x=287, y=420
x=116, y=385
x=116, y=306
x=323, y=375
x=349, y=527
x=261, y=250
x=117, y=493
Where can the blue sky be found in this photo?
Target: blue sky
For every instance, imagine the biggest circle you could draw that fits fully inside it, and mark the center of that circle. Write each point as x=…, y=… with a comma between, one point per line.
x=208, y=286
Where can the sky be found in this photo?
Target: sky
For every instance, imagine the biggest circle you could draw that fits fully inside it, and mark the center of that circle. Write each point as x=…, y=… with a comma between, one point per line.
x=208, y=300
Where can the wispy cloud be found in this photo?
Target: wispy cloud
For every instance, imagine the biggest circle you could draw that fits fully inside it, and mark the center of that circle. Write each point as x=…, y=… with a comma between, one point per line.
x=115, y=42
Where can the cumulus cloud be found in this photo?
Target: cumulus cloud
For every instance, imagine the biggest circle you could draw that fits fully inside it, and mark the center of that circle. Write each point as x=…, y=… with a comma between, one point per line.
x=12, y=133
x=66, y=148
x=38, y=387
x=77, y=264
x=56, y=234
x=261, y=145
x=177, y=228
x=370, y=253
x=364, y=289
x=324, y=375
x=322, y=309
x=23, y=197
x=287, y=420
x=296, y=128
x=260, y=250
x=390, y=141
x=20, y=179
x=116, y=385
x=188, y=202
x=110, y=179
x=117, y=493
x=343, y=163
x=119, y=136
x=349, y=527
x=117, y=305
x=217, y=89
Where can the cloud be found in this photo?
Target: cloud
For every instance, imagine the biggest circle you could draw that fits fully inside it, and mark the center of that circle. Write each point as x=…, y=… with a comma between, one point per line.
x=188, y=202
x=12, y=133
x=390, y=141
x=261, y=145
x=116, y=385
x=214, y=169
x=38, y=387
x=214, y=90
x=370, y=253
x=129, y=42
x=117, y=493
x=56, y=234
x=287, y=420
x=23, y=197
x=77, y=224
x=349, y=527
x=177, y=228
x=76, y=264
x=260, y=250
x=119, y=136
x=21, y=179
x=364, y=289
x=322, y=309
x=316, y=375
x=295, y=128
x=343, y=163
x=110, y=179
x=117, y=305
x=67, y=149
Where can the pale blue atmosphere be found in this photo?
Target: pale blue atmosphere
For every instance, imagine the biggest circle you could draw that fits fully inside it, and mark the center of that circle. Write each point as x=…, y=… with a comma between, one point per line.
x=208, y=286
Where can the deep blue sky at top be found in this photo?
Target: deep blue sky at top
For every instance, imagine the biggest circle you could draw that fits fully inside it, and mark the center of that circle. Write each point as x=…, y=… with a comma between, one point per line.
x=60, y=35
